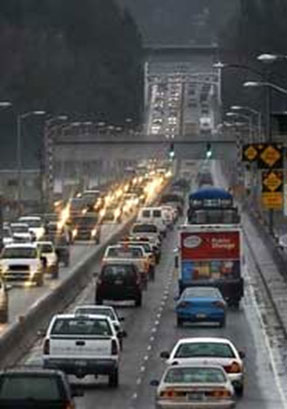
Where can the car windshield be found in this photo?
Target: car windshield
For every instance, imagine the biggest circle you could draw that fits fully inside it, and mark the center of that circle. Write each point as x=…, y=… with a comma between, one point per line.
x=81, y=326
x=125, y=252
x=204, y=349
x=19, y=252
x=96, y=311
x=45, y=248
x=195, y=375
x=20, y=229
x=34, y=223
x=201, y=292
x=32, y=387
x=144, y=228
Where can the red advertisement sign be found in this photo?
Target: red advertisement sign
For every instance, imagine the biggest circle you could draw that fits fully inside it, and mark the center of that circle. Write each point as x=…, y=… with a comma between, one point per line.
x=210, y=246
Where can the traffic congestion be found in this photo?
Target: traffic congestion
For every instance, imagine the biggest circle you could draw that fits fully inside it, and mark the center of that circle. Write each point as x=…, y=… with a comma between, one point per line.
x=156, y=287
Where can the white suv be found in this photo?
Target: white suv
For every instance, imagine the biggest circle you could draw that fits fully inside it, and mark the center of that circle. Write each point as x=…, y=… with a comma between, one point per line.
x=22, y=262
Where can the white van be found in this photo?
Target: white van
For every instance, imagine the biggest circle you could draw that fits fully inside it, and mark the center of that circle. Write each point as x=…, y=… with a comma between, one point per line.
x=154, y=215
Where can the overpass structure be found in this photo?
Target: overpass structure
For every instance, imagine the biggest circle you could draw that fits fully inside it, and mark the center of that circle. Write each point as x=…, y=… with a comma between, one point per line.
x=181, y=85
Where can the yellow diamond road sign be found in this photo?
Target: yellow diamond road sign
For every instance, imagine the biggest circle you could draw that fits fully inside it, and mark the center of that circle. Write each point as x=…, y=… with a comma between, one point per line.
x=250, y=153
x=272, y=181
x=270, y=155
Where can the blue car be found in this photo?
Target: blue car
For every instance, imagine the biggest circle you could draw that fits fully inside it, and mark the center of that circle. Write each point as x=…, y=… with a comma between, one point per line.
x=201, y=304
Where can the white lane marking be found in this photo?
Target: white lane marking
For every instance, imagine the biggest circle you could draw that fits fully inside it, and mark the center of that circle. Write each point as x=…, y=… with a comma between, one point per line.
x=142, y=368
x=146, y=358
x=135, y=396
x=139, y=381
x=267, y=344
x=149, y=347
x=156, y=323
x=151, y=339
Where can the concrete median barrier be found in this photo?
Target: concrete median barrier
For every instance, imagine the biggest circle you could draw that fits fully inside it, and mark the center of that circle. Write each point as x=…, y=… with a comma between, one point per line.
x=22, y=334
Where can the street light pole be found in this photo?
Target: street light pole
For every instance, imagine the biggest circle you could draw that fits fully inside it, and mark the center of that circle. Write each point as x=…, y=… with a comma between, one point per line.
x=21, y=117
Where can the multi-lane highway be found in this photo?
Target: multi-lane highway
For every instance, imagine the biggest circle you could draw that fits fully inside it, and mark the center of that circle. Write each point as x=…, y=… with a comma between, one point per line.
x=152, y=329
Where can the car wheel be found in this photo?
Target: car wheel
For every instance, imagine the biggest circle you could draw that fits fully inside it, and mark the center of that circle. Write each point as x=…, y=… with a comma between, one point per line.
x=4, y=317
x=239, y=390
x=55, y=274
x=138, y=301
x=67, y=262
x=99, y=301
x=114, y=379
x=152, y=273
x=40, y=280
x=222, y=323
x=179, y=322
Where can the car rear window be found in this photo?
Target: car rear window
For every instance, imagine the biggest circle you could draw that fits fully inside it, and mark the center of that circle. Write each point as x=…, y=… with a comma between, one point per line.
x=46, y=248
x=33, y=387
x=144, y=228
x=195, y=375
x=114, y=272
x=202, y=292
x=96, y=311
x=157, y=213
x=125, y=252
x=81, y=326
x=204, y=349
x=146, y=213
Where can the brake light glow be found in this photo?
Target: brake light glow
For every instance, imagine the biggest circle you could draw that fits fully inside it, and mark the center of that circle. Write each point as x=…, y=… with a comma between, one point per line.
x=220, y=393
x=233, y=368
x=169, y=393
x=46, y=347
x=219, y=304
x=114, y=347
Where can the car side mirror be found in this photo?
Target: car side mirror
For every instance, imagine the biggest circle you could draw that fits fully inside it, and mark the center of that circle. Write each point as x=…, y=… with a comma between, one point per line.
x=164, y=354
x=121, y=319
x=154, y=382
x=122, y=334
x=96, y=274
x=242, y=354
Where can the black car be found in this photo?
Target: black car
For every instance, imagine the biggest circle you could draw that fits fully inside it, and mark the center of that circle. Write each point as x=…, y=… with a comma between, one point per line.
x=35, y=389
x=86, y=227
x=119, y=281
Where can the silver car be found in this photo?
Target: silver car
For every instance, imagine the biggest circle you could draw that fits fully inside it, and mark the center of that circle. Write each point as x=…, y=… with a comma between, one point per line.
x=194, y=387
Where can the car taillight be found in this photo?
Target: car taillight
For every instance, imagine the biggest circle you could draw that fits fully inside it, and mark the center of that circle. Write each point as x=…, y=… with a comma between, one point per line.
x=169, y=393
x=114, y=347
x=69, y=405
x=46, y=347
x=219, y=304
x=220, y=393
x=233, y=368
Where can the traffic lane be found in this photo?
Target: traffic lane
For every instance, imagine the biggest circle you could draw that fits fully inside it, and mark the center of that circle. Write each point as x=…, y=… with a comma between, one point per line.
x=243, y=328
x=21, y=299
x=139, y=324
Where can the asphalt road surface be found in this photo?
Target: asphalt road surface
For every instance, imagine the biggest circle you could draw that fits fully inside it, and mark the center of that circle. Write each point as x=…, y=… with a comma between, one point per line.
x=21, y=299
x=152, y=329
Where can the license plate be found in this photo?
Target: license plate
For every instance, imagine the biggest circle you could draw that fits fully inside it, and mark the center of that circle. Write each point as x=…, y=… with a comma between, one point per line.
x=81, y=363
x=200, y=316
x=195, y=396
x=118, y=282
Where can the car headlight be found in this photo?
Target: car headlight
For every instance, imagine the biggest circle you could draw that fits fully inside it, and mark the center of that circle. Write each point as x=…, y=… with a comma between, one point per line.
x=94, y=232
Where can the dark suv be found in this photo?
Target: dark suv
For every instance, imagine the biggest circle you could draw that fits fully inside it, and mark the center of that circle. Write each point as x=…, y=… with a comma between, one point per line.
x=35, y=389
x=119, y=281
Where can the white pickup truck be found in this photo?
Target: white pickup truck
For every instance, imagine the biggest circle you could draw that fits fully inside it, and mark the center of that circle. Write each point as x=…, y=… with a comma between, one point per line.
x=82, y=345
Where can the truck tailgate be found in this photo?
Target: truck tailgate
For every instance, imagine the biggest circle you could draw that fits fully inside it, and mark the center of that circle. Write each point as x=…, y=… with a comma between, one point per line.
x=80, y=346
